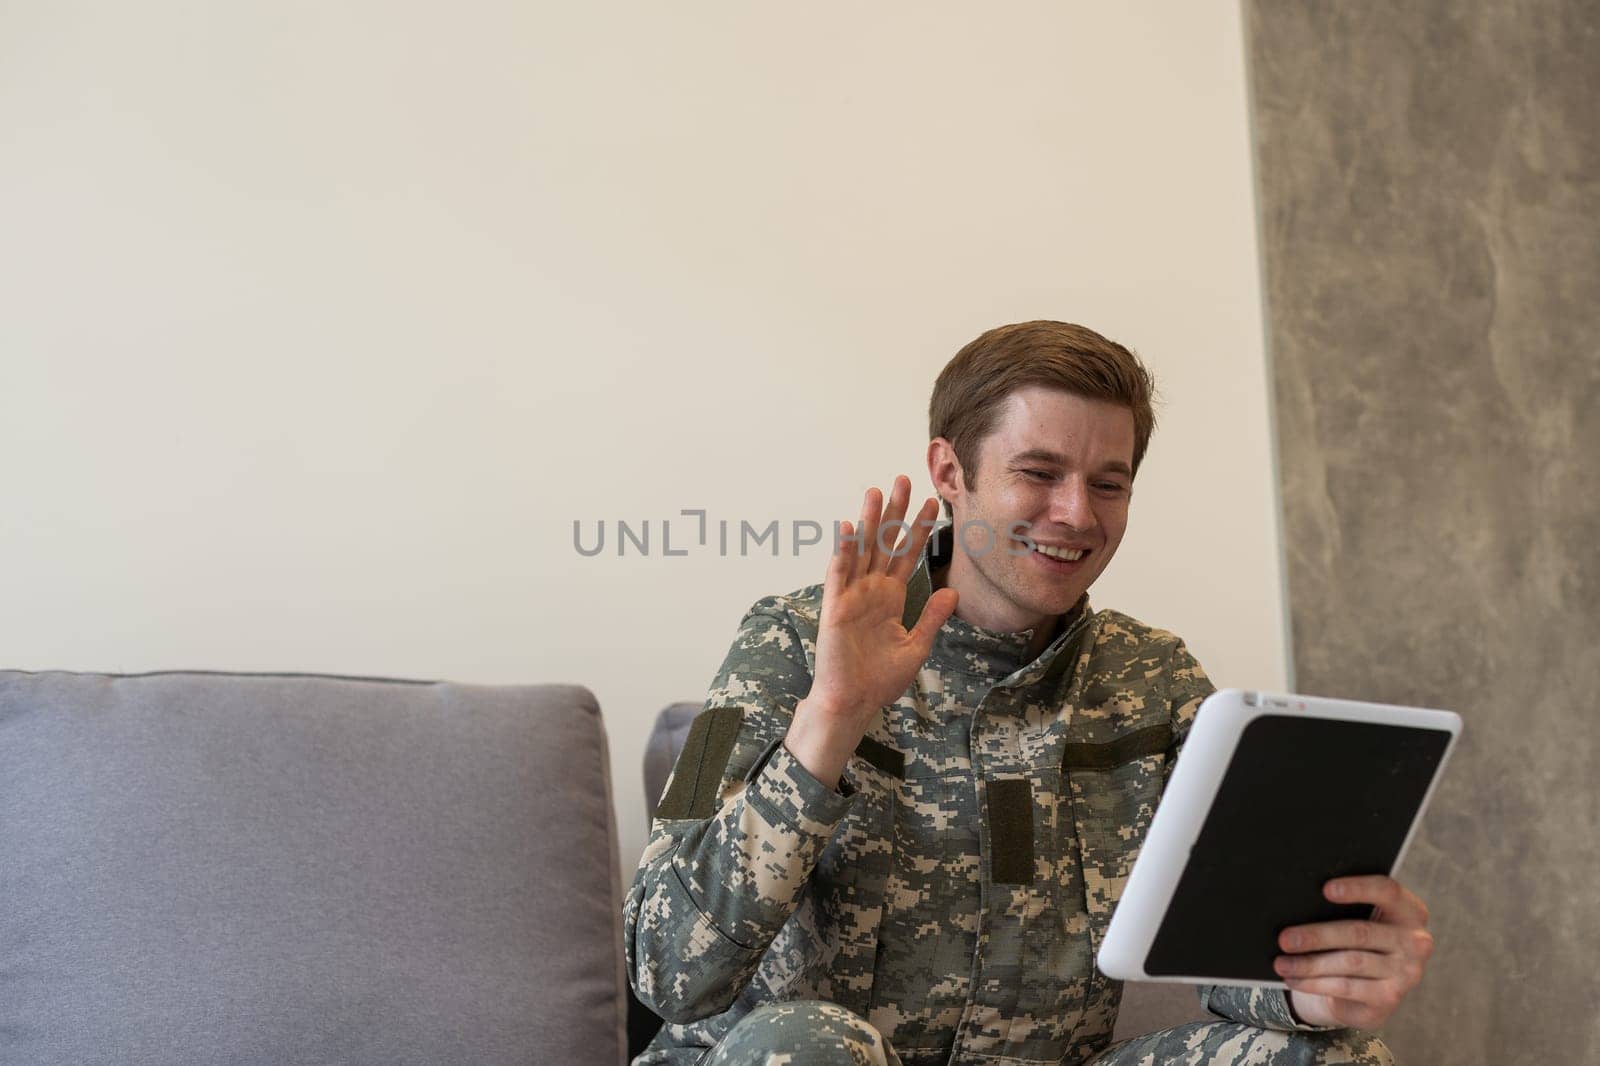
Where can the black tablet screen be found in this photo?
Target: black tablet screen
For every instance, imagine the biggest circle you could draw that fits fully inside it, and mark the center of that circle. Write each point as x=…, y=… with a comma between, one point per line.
x=1302, y=801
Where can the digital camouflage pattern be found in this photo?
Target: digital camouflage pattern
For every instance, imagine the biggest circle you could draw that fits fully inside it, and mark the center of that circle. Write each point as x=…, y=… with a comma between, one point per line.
x=1233, y=1044
x=813, y=1033
x=805, y=1032
x=954, y=891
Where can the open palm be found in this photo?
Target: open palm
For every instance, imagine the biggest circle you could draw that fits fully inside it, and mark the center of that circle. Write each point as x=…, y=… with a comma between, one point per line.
x=865, y=656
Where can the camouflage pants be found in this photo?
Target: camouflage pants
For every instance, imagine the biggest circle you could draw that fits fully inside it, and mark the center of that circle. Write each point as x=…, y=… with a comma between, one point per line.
x=803, y=1032
x=1222, y=1043
x=814, y=1033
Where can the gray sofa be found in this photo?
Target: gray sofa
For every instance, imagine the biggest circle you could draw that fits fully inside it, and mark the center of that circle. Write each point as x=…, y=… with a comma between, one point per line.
x=285, y=869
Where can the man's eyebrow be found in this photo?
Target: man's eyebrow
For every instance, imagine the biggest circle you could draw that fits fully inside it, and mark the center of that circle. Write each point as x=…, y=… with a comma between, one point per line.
x=1045, y=455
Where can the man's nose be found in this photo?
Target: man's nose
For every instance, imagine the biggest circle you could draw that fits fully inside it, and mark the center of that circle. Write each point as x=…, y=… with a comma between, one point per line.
x=1071, y=506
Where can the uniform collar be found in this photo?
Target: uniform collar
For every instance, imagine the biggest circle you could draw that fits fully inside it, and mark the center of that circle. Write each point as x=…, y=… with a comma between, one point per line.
x=972, y=649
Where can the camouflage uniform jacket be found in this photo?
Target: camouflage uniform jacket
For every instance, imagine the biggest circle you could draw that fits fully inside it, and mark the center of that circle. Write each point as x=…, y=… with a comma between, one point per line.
x=955, y=889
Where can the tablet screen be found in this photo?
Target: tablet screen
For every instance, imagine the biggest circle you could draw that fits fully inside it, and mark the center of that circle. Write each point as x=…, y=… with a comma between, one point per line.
x=1321, y=798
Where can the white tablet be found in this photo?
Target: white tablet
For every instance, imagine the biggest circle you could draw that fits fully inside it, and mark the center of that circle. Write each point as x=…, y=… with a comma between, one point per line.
x=1272, y=796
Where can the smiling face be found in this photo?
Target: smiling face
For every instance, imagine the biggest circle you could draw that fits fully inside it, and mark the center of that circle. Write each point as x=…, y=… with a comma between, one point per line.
x=1063, y=465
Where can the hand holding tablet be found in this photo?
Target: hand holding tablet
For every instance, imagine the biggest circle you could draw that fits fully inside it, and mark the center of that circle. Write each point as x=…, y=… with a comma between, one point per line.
x=1356, y=973
x=1272, y=798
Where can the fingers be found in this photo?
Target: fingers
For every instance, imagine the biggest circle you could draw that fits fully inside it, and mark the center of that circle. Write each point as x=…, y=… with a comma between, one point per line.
x=885, y=528
x=935, y=613
x=867, y=528
x=1302, y=971
x=1363, y=969
x=1331, y=964
x=902, y=565
x=1360, y=989
x=1335, y=936
x=840, y=564
x=1396, y=905
x=880, y=548
x=1353, y=1001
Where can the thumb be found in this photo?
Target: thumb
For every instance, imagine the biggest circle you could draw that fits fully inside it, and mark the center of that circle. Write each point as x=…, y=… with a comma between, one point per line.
x=935, y=613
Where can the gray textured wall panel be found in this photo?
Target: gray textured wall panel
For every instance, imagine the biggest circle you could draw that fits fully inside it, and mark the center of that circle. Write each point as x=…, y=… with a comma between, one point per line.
x=1430, y=189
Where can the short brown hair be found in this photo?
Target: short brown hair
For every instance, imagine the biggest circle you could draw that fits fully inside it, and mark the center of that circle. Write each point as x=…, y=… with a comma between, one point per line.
x=974, y=386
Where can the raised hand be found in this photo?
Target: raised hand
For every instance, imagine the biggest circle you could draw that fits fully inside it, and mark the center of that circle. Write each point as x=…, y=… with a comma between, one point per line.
x=865, y=656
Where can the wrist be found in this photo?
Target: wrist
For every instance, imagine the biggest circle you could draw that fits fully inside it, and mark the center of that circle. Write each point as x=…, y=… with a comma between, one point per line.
x=821, y=742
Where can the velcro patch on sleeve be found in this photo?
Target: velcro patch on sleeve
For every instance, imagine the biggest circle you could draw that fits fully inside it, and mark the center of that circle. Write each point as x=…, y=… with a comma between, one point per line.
x=1152, y=740
x=698, y=775
x=1010, y=808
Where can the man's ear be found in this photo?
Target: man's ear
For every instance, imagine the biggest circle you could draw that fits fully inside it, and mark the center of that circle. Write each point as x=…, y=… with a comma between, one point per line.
x=944, y=470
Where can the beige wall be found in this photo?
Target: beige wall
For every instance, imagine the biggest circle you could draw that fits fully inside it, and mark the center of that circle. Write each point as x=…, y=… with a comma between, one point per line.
x=1430, y=194
x=322, y=323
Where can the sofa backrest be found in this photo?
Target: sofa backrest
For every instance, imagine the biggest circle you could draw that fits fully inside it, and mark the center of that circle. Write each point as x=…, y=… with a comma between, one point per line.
x=287, y=869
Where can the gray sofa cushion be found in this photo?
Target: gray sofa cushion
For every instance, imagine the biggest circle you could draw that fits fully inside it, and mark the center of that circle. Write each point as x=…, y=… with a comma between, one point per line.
x=213, y=868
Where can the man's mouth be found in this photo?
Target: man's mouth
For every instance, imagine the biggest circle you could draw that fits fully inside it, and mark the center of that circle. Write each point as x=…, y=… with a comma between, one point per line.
x=1066, y=555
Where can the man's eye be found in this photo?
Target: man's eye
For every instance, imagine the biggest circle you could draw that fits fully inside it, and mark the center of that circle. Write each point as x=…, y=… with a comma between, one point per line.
x=1109, y=486
x=1042, y=474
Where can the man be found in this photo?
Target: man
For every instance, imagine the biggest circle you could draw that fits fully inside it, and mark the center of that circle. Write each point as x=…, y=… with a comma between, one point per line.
x=899, y=827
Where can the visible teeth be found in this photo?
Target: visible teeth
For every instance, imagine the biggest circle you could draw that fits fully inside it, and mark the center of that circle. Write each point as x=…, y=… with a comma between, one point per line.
x=1069, y=554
